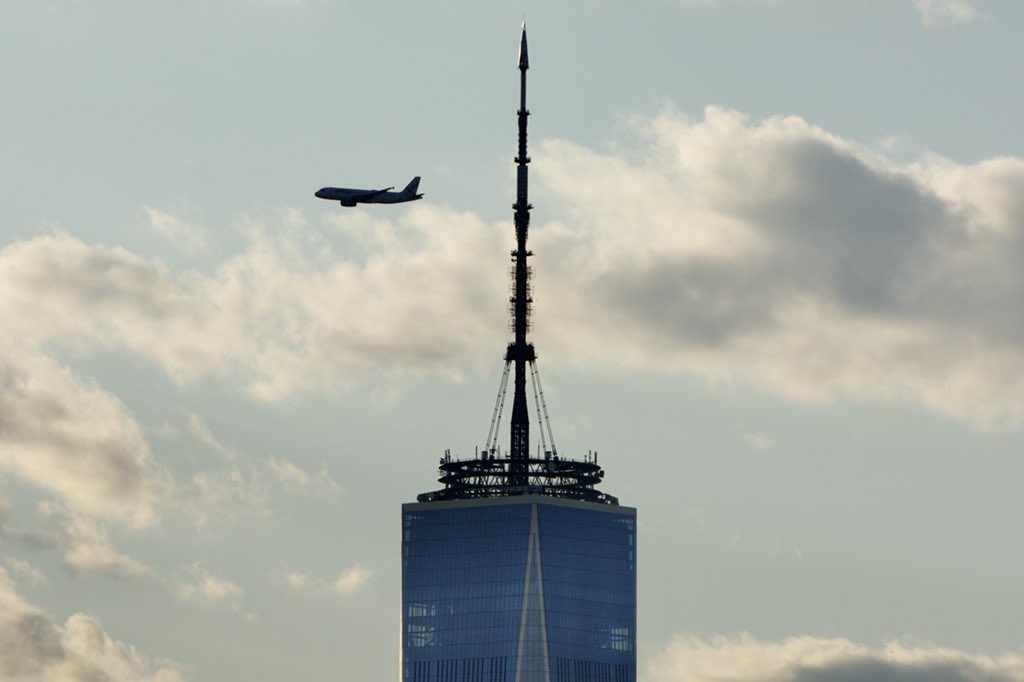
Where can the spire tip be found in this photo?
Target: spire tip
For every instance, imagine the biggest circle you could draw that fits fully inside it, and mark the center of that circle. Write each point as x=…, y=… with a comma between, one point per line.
x=524, y=59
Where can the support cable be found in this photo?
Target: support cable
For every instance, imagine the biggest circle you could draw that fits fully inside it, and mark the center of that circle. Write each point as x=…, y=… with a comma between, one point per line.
x=536, y=402
x=544, y=406
x=499, y=407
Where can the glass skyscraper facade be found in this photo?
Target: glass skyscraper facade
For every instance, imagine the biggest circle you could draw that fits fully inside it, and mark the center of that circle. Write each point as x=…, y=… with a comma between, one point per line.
x=527, y=588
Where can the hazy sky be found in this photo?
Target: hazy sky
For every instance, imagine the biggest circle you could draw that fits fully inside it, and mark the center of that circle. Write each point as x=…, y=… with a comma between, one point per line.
x=777, y=284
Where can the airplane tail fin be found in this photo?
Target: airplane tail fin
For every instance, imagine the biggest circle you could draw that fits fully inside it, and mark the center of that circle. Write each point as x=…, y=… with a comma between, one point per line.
x=412, y=186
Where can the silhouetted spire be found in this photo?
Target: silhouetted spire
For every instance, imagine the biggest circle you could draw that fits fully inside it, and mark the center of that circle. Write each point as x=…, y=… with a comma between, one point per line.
x=491, y=473
x=520, y=352
x=524, y=58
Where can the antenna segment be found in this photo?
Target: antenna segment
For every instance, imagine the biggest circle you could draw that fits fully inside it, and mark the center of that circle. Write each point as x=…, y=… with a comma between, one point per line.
x=520, y=352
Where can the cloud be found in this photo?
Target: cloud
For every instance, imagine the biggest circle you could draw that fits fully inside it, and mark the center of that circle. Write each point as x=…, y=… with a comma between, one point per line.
x=246, y=489
x=177, y=231
x=198, y=429
x=779, y=255
x=761, y=442
x=24, y=569
x=770, y=253
x=939, y=13
x=298, y=581
x=295, y=479
x=97, y=297
x=348, y=582
x=285, y=315
x=933, y=13
x=85, y=543
x=29, y=538
x=88, y=550
x=199, y=585
x=34, y=647
x=812, y=659
x=222, y=496
x=76, y=441
x=351, y=580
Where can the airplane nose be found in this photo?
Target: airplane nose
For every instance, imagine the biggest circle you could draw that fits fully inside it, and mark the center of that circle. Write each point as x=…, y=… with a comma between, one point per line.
x=319, y=194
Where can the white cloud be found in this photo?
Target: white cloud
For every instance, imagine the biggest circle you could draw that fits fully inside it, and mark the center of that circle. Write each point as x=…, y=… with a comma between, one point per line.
x=298, y=581
x=85, y=544
x=70, y=438
x=933, y=13
x=295, y=479
x=34, y=647
x=813, y=659
x=29, y=538
x=285, y=315
x=24, y=569
x=88, y=550
x=938, y=13
x=198, y=429
x=349, y=581
x=177, y=231
x=223, y=496
x=75, y=440
x=60, y=289
x=246, y=489
x=198, y=584
x=761, y=442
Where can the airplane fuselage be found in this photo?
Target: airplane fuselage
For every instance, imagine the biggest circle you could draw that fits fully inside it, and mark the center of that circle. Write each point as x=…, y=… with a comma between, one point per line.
x=348, y=196
x=362, y=196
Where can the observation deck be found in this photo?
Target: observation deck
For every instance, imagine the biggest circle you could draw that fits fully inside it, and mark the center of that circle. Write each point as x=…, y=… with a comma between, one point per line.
x=488, y=475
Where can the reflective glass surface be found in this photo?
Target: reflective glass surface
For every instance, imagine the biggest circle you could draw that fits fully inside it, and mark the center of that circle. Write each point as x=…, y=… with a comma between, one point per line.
x=589, y=564
x=463, y=581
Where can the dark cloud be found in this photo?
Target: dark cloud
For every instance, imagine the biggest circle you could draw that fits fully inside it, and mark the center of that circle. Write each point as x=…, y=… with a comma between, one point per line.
x=75, y=441
x=36, y=641
x=780, y=255
x=813, y=659
x=875, y=670
x=34, y=647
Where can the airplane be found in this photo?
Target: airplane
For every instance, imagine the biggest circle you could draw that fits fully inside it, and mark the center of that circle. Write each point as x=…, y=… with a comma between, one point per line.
x=350, y=197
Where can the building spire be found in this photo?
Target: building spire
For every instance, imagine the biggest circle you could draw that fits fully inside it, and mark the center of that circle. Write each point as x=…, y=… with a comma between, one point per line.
x=520, y=352
x=491, y=473
x=524, y=59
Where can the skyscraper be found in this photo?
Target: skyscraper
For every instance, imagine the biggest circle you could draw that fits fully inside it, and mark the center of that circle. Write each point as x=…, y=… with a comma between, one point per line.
x=519, y=569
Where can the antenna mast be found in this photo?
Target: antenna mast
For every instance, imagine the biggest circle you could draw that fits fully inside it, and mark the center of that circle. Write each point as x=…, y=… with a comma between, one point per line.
x=519, y=351
x=489, y=473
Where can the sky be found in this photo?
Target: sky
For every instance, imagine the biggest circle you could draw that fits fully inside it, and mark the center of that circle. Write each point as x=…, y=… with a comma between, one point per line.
x=776, y=284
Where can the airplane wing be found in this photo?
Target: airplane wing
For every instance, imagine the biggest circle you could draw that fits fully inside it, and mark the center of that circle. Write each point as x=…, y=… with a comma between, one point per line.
x=370, y=195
